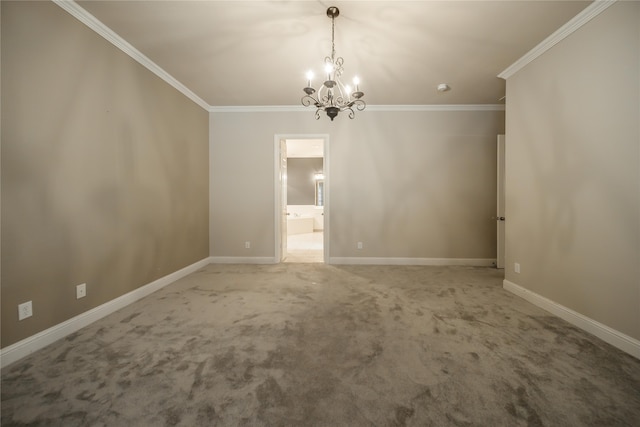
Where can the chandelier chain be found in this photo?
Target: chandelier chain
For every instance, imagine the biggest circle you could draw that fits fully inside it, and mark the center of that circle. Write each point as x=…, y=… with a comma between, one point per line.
x=333, y=38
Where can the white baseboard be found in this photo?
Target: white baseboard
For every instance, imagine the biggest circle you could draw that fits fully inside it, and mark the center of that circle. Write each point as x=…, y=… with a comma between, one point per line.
x=475, y=262
x=605, y=333
x=35, y=342
x=242, y=260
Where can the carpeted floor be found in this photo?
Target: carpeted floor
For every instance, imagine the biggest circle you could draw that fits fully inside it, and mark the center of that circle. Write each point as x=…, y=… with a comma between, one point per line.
x=318, y=345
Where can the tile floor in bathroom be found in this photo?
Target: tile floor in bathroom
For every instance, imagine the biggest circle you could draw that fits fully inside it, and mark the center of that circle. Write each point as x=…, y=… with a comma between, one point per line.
x=306, y=247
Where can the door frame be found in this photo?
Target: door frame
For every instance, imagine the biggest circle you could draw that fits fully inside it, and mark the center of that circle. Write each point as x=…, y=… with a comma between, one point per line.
x=278, y=197
x=500, y=224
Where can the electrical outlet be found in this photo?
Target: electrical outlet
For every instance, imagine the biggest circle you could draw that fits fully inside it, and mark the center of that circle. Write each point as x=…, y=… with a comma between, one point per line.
x=359, y=245
x=247, y=245
x=25, y=310
x=81, y=291
x=516, y=267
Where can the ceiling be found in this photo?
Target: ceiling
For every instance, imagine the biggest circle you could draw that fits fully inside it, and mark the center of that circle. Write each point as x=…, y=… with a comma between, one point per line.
x=256, y=53
x=305, y=148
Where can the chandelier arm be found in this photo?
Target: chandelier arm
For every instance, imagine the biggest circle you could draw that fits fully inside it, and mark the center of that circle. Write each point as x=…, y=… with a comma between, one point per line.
x=308, y=100
x=339, y=66
x=360, y=104
x=343, y=98
x=327, y=100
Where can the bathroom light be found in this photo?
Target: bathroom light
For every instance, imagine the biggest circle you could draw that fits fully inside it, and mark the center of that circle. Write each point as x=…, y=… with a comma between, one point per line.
x=318, y=176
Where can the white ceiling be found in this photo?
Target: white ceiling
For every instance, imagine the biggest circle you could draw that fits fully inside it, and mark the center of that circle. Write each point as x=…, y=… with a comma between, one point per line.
x=256, y=53
x=305, y=147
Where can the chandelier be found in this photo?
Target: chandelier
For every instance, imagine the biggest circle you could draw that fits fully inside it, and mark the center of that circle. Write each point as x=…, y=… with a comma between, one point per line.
x=333, y=96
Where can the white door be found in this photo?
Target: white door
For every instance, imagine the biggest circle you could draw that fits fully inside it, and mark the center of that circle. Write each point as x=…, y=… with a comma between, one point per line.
x=500, y=205
x=283, y=199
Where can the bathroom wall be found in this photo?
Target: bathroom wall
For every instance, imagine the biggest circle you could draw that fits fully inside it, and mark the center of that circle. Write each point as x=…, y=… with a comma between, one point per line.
x=301, y=184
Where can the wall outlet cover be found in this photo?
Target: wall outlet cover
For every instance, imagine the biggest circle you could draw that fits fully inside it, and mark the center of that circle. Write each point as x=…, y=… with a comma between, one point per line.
x=25, y=310
x=81, y=291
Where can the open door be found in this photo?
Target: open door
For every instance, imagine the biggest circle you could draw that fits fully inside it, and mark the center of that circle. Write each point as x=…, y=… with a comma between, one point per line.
x=500, y=261
x=283, y=199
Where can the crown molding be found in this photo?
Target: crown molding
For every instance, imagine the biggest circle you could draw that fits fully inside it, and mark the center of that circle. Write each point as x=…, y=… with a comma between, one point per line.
x=92, y=22
x=590, y=12
x=258, y=109
x=386, y=108
x=438, y=107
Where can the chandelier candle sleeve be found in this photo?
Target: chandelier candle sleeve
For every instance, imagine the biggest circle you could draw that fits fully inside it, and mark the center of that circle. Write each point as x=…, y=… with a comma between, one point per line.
x=309, y=78
x=333, y=96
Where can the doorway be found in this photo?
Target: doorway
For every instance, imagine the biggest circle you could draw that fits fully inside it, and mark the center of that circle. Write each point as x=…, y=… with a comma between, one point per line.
x=301, y=198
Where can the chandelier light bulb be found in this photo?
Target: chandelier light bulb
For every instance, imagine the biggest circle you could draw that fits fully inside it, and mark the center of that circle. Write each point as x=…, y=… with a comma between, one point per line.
x=309, y=78
x=328, y=68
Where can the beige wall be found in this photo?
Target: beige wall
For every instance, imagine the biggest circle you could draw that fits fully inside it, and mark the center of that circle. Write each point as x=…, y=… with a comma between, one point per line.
x=104, y=170
x=406, y=184
x=573, y=171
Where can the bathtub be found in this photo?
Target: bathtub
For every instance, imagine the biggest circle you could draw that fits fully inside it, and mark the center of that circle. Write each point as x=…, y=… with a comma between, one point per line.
x=299, y=225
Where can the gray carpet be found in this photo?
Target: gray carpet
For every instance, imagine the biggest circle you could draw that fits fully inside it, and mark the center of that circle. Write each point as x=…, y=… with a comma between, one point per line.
x=318, y=345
